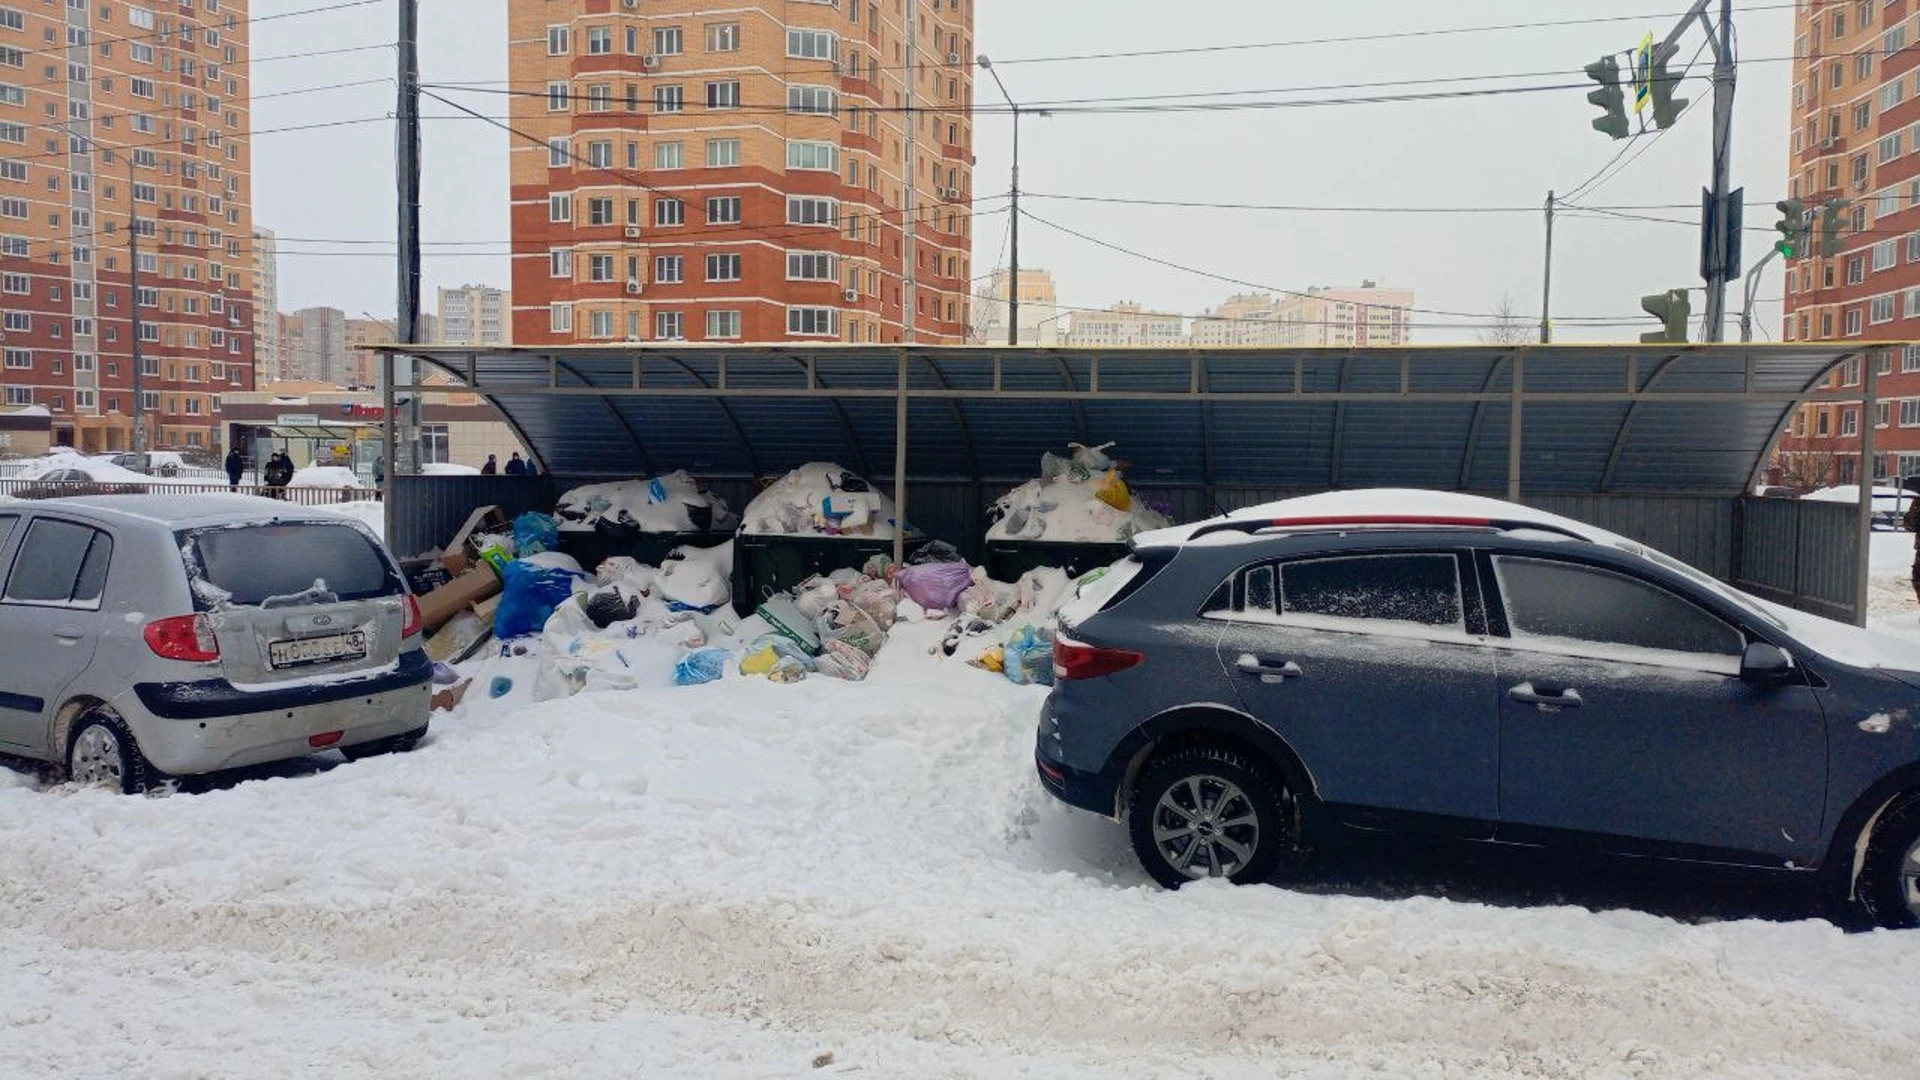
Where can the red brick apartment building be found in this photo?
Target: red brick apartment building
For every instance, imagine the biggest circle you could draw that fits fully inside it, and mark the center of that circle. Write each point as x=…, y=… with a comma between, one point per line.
x=782, y=170
x=110, y=109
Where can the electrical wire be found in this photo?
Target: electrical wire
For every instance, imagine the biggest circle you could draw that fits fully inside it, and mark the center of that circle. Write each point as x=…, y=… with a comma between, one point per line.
x=161, y=35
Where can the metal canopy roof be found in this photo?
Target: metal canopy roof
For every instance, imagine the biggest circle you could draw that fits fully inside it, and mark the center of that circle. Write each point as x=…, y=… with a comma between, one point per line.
x=1592, y=418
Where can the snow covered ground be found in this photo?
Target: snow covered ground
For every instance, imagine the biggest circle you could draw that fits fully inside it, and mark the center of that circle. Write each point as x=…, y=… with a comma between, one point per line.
x=745, y=879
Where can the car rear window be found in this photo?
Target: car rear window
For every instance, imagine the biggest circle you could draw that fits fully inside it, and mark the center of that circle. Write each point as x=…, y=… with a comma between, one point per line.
x=252, y=564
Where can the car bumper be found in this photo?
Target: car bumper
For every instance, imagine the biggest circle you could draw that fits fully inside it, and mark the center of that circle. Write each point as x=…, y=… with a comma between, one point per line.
x=199, y=727
x=1072, y=786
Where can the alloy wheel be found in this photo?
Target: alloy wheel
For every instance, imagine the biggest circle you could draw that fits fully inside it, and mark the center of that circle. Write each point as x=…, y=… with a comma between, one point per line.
x=1205, y=826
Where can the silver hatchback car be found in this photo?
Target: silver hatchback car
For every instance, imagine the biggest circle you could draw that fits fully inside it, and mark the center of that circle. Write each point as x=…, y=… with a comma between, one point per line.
x=143, y=637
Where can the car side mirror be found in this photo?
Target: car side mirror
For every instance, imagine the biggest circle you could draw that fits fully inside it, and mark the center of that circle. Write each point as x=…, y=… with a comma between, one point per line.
x=1765, y=663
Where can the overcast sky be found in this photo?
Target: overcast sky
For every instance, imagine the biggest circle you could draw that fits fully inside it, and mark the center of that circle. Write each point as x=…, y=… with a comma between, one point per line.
x=336, y=184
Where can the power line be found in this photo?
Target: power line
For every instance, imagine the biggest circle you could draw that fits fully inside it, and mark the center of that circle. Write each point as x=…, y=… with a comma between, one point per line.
x=161, y=35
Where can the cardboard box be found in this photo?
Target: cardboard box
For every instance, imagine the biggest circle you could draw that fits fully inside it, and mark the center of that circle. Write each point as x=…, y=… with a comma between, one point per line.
x=457, y=558
x=445, y=698
x=457, y=595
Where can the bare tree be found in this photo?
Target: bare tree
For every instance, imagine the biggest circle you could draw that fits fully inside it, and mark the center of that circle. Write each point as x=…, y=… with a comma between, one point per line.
x=1509, y=327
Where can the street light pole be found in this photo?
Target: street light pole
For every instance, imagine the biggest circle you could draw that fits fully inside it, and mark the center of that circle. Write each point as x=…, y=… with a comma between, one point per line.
x=133, y=284
x=1013, y=271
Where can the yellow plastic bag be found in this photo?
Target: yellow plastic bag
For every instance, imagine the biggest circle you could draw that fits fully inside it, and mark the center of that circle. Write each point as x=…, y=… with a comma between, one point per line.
x=1112, y=490
x=759, y=661
x=994, y=659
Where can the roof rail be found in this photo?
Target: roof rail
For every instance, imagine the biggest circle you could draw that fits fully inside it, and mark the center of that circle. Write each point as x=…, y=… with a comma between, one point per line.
x=1249, y=525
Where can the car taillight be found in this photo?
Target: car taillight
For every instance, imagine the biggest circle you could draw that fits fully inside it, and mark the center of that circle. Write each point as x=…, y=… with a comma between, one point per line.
x=183, y=637
x=411, y=626
x=1078, y=660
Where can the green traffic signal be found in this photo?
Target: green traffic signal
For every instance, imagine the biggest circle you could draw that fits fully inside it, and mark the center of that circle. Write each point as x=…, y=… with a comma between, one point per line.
x=1610, y=97
x=1792, y=226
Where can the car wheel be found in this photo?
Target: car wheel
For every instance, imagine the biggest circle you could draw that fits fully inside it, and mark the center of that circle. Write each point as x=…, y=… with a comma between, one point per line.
x=101, y=751
x=1889, y=885
x=1209, y=812
x=392, y=744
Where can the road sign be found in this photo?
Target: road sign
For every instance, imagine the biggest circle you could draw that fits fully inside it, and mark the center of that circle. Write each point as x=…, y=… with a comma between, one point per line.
x=1643, y=73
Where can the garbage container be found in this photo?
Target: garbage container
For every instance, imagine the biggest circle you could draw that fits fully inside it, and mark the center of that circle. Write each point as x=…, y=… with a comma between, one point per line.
x=765, y=564
x=1007, y=560
x=591, y=547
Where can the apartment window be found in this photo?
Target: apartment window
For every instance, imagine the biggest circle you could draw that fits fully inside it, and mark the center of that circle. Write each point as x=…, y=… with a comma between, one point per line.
x=559, y=38
x=559, y=97
x=723, y=324
x=1853, y=323
x=1889, y=147
x=1885, y=255
x=559, y=208
x=19, y=395
x=1857, y=169
x=723, y=210
x=669, y=325
x=722, y=153
x=600, y=98
x=813, y=155
x=669, y=99
x=1856, y=270
x=667, y=41
x=599, y=40
x=1892, y=93
x=600, y=154
x=813, y=321
x=17, y=284
x=560, y=318
x=1880, y=309
x=13, y=170
x=812, y=211
x=18, y=322
x=1909, y=358
x=12, y=20
x=1896, y=40
x=669, y=155
x=811, y=266
x=1863, y=65
x=1912, y=307
x=724, y=94
x=600, y=211
x=1910, y=412
x=1882, y=413
x=723, y=267
x=600, y=268
x=813, y=99
x=813, y=44
x=83, y=399
x=1862, y=115
x=723, y=37
x=19, y=359
x=668, y=269
x=669, y=212
x=600, y=324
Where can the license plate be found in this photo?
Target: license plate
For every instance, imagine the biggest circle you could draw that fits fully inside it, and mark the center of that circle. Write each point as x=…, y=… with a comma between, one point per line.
x=318, y=650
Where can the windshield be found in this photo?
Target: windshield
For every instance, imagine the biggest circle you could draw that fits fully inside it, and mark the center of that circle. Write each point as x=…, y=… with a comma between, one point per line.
x=1706, y=581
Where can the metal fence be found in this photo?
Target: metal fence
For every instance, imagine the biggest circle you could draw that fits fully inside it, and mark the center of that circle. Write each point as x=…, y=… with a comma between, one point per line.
x=1800, y=552
x=301, y=496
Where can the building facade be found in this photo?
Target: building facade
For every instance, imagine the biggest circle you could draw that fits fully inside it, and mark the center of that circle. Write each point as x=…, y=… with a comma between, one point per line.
x=1040, y=312
x=266, y=307
x=125, y=126
x=1855, y=136
x=758, y=172
x=475, y=315
x=1244, y=319
x=363, y=365
x=318, y=345
x=1353, y=317
x=1126, y=324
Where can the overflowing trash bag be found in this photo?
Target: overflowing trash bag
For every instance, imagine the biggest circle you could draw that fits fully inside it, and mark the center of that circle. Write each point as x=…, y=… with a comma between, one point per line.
x=1080, y=497
x=528, y=595
x=533, y=533
x=820, y=499
x=670, y=503
x=700, y=666
x=1028, y=657
x=935, y=586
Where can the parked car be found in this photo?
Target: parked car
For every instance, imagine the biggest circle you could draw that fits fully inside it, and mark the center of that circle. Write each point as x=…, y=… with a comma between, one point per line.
x=1401, y=661
x=167, y=463
x=89, y=478
x=147, y=637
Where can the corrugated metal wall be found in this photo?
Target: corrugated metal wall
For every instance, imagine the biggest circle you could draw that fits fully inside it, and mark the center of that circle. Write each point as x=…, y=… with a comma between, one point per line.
x=1794, y=551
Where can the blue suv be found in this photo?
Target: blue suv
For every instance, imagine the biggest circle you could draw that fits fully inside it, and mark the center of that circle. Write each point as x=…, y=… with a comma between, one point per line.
x=1390, y=661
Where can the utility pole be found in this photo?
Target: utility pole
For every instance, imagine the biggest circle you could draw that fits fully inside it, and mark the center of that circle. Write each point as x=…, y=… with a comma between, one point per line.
x=403, y=430
x=1723, y=246
x=1013, y=266
x=1546, y=280
x=908, y=296
x=133, y=284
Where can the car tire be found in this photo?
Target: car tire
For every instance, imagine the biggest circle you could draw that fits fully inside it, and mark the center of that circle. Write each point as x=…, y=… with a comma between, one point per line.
x=100, y=750
x=1210, y=812
x=1889, y=884
x=392, y=744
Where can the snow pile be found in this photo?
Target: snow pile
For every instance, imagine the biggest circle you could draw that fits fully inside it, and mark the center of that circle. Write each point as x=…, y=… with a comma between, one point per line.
x=447, y=468
x=99, y=471
x=325, y=476
x=675, y=502
x=821, y=499
x=1079, y=498
x=1850, y=493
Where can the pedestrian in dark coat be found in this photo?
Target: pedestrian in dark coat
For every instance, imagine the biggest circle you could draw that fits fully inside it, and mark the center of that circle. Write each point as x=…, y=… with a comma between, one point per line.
x=236, y=466
x=491, y=467
x=515, y=466
x=1912, y=524
x=279, y=474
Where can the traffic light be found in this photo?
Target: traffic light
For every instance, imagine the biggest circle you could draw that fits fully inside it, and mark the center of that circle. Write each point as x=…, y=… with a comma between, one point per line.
x=1610, y=97
x=1792, y=226
x=1671, y=308
x=1832, y=220
x=1666, y=107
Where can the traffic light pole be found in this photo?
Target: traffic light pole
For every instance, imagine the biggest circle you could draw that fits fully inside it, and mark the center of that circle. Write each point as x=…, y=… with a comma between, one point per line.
x=1753, y=280
x=1546, y=280
x=1722, y=245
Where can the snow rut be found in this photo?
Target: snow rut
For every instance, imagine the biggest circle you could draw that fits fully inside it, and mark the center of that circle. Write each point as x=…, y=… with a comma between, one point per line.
x=1352, y=994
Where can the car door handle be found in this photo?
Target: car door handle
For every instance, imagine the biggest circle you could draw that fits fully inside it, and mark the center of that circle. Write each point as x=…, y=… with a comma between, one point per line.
x=1250, y=664
x=69, y=634
x=1568, y=698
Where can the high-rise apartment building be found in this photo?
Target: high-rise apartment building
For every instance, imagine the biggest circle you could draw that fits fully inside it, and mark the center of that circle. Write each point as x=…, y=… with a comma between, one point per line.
x=1856, y=101
x=266, y=307
x=1040, y=312
x=125, y=126
x=1244, y=319
x=363, y=365
x=1126, y=324
x=1367, y=316
x=475, y=315
x=776, y=172
x=319, y=345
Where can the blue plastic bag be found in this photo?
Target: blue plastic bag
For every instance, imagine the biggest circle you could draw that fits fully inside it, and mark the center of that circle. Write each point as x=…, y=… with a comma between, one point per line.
x=528, y=596
x=700, y=666
x=1028, y=658
x=534, y=532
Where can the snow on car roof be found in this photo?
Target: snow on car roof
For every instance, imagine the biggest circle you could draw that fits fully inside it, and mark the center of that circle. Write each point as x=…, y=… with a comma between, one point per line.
x=1391, y=502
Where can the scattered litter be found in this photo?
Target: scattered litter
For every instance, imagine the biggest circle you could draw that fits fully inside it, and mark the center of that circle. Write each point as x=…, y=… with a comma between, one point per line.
x=671, y=503
x=1079, y=498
